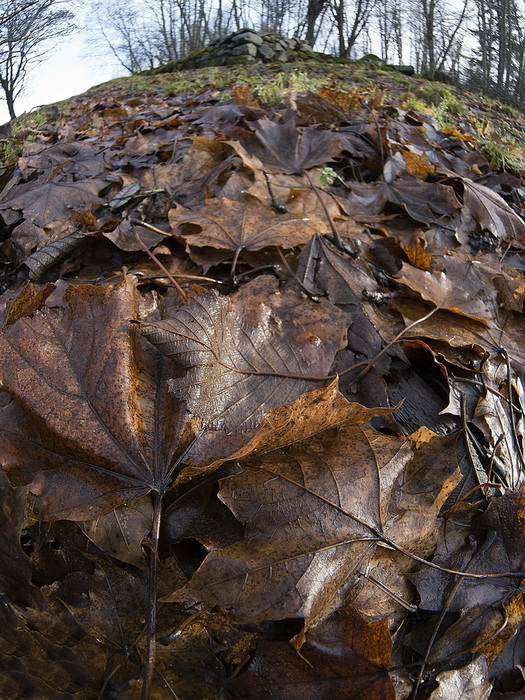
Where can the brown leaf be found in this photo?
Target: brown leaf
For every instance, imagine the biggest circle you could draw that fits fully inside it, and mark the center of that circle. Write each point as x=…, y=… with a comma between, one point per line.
x=283, y=149
x=471, y=682
x=492, y=548
x=423, y=201
x=334, y=501
x=242, y=95
x=15, y=568
x=331, y=105
x=418, y=165
x=84, y=426
x=489, y=211
x=26, y=302
x=235, y=226
x=313, y=412
x=120, y=533
x=241, y=361
x=345, y=658
x=53, y=201
x=417, y=255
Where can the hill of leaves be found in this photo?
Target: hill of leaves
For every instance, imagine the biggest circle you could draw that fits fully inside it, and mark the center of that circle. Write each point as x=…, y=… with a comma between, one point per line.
x=262, y=398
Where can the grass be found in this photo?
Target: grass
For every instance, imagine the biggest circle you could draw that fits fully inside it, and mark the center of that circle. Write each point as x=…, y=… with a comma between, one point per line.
x=10, y=151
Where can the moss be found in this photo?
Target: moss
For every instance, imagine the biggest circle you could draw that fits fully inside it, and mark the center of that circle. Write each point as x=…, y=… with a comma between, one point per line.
x=10, y=151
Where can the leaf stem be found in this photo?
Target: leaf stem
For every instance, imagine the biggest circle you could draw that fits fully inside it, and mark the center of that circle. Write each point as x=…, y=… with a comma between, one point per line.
x=157, y=262
x=151, y=624
x=337, y=237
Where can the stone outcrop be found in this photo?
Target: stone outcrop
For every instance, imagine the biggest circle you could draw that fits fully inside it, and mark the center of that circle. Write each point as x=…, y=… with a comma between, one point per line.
x=243, y=47
x=249, y=46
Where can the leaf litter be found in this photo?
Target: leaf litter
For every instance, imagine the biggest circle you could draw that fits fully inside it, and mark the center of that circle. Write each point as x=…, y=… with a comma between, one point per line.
x=261, y=404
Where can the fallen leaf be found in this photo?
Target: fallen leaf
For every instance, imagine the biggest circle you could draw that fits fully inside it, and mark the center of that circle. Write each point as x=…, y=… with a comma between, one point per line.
x=235, y=226
x=284, y=149
x=94, y=422
x=471, y=681
x=240, y=363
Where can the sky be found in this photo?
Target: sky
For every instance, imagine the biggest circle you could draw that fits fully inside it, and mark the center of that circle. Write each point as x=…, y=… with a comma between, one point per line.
x=65, y=73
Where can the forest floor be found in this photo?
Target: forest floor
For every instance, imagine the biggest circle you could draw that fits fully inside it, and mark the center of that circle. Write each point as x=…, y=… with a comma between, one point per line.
x=262, y=399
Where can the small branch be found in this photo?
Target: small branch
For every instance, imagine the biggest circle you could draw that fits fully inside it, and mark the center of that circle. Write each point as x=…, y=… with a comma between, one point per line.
x=337, y=237
x=296, y=279
x=368, y=365
x=151, y=626
x=157, y=262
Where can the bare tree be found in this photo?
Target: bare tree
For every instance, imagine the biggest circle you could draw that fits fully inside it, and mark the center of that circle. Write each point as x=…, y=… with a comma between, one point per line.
x=390, y=23
x=27, y=28
x=437, y=29
x=350, y=21
x=147, y=34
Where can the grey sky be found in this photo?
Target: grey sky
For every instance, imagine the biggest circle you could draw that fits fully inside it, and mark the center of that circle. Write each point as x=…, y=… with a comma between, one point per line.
x=66, y=73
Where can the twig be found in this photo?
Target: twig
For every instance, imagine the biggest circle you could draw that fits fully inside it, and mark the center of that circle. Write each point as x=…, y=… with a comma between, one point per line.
x=296, y=279
x=157, y=262
x=337, y=237
x=152, y=600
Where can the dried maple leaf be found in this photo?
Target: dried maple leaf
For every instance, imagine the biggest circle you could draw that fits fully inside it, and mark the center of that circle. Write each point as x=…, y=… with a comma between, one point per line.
x=241, y=361
x=331, y=105
x=345, y=658
x=231, y=225
x=423, y=201
x=53, y=201
x=333, y=497
x=488, y=210
x=491, y=548
x=284, y=149
x=87, y=427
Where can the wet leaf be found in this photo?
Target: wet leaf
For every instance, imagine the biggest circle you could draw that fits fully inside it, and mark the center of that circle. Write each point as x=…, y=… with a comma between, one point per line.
x=423, y=201
x=284, y=149
x=487, y=209
x=344, y=658
x=324, y=512
x=121, y=532
x=235, y=226
x=241, y=361
x=83, y=426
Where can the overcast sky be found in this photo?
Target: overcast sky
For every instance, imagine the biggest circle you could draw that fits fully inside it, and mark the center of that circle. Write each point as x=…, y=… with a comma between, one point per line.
x=66, y=73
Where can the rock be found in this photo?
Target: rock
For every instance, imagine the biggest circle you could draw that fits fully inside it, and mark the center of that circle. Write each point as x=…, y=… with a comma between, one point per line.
x=243, y=46
x=266, y=52
x=244, y=49
x=247, y=38
x=407, y=70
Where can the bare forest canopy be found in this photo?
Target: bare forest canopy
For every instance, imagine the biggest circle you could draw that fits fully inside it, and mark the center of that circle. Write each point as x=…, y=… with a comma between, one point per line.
x=479, y=44
x=262, y=397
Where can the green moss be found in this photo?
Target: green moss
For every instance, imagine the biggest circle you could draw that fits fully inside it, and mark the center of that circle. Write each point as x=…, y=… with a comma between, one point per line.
x=10, y=151
x=272, y=91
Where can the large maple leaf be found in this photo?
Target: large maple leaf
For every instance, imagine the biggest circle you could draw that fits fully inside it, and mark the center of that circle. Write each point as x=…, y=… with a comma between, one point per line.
x=90, y=425
x=236, y=226
x=284, y=149
x=241, y=360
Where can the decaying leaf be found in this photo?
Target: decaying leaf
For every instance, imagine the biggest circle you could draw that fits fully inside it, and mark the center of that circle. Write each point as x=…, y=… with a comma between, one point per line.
x=338, y=660
x=83, y=429
x=241, y=360
x=235, y=226
x=468, y=682
x=283, y=149
x=296, y=418
x=487, y=209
